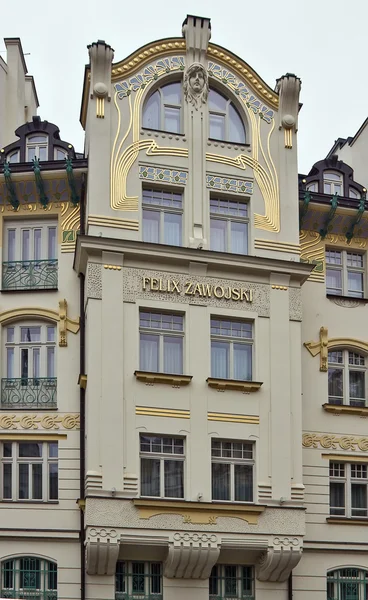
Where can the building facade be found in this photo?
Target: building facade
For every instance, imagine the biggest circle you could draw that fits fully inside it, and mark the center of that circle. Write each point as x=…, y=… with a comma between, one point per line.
x=177, y=342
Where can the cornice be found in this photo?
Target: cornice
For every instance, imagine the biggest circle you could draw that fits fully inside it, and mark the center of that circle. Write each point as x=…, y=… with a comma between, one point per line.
x=91, y=246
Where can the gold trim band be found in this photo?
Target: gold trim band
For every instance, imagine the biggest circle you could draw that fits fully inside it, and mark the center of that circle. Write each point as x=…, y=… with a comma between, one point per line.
x=231, y=418
x=162, y=412
x=277, y=246
x=132, y=224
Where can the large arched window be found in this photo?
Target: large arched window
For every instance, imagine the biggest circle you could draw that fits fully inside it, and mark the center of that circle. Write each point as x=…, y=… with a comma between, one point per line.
x=332, y=183
x=347, y=584
x=346, y=378
x=225, y=122
x=37, y=147
x=162, y=110
x=29, y=577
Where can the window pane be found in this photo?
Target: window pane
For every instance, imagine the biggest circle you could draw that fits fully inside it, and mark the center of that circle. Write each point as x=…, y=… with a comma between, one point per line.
x=239, y=237
x=53, y=481
x=151, y=112
x=11, y=244
x=337, y=498
x=333, y=281
x=30, y=334
x=52, y=242
x=37, y=244
x=359, y=500
x=7, y=449
x=138, y=578
x=24, y=363
x=31, y=152
x=23, y=482
x=243, y=362
x=174, y=478
x=172, y=229
x=36, y=362
x=172, y=119
x=335, y=386
x=327, y=188
x=243, y=477
x=150, y=477
x=10, y=363
x=37, y=139
x=173, y=354
x=37, y=482
x=50, y=334
x=53, y=450
x=7, y=481
x=216, y=101
x=25, y=244
x=30, y=450
x=220, y=353
x=42, y=151
x=355, y=284
x=151, y=226
x=51, y=362
x=236, y=127
x=218, y=235
x=172, y=93
x=220, y=481
x=357, y=388
x=148, y=350
x=217, y=127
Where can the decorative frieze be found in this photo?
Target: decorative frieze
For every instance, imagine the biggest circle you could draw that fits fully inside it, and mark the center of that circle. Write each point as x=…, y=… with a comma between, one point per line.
x=334, y=442
x=229, y=184
x=53, y=421
x=164, y=175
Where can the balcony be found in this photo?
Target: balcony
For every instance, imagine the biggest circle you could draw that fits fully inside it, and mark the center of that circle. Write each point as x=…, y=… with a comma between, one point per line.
x=26, y=393
x=30, y=275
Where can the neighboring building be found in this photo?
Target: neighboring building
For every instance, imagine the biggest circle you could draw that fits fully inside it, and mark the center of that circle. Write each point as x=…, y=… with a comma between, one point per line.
x=214, y=326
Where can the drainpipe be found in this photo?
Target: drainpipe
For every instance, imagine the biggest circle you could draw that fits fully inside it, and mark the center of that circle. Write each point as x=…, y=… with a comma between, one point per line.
x=82, y=402
x=290, y=586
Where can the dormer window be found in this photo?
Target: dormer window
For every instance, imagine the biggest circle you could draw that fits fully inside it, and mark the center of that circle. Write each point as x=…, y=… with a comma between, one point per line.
x=163, y=109
x=60, y=154
x=37, y=147
x=354, y=194
x=13, y=157
x=312, y=187
x=225, y=121
x=332, y=183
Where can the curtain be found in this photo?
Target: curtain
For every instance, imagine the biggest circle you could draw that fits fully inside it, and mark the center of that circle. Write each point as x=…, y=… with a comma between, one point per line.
x=7, y=481
x=174, y=478
x=50, y=361
x=243, y=362
x=218, y=235
x=355, y=284
x=337, y=498
x=150, y=477
x=173, y=355
x=359, y=499
x=172, y=119
x=220, y=481
x=151, y=226
x=335, y=386
x=10, y=363
x=148, y=350
x=243, y=478
x=333, y=281
x=37, y=482
x=151, y=112
x=357, y=388
x=53, y=481
x=172, y=229
x=23, y=482
x=239, y=237
x=220, y=360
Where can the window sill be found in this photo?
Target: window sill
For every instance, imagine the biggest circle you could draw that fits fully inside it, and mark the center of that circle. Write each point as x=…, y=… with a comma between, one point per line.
x=346, y=409
x=347, y=520
x=28, y=502
x=347, y=298
x=233, y=384
x=150, y=378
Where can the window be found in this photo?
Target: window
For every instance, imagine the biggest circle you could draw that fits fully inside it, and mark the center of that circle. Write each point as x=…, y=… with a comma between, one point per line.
x=347, y=584
x=345, y=273
x=162, y=466
x=231, y=581
x=162, y=217
x=348, y=489
x=60, y=154
x=29, y=577
x=232, y=471
x=231, y=349
x=161, y=342
x=13, y=157
x=30, y=255
x=332, y=183
x=346, y=378
x=312, y=187
x=29, y=471
x=37, y=147
x=138, y=580
x=225, y=121
x=29, y=366
x=354, y=194
x=229, y=226
x=162, y=110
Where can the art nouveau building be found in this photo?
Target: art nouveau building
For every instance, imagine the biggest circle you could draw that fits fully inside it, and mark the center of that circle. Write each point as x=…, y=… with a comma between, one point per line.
x=183, y=382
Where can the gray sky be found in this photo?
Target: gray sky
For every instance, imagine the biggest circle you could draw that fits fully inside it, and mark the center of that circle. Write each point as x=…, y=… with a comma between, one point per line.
x=322, y=41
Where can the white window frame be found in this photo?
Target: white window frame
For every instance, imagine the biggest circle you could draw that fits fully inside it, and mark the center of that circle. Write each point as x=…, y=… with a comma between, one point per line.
x=335, y=180
x=345, y=269
x=347, y=361
x=226, y=116
x=247, y=447
x=218, y=578
x=343, y=473
x=162, y=457
x=125, y=577
x=229, y=218
x=46, y=572
x=162, y=333
x=42, y=240
x=163, y=105
x=47, y=460
x=37, y=145
x=41, y=354
x=157, y=205
x=231, y=340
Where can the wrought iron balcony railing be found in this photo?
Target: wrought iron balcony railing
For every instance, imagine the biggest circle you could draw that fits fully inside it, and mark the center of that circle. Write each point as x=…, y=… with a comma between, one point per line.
x=30, y=275
x=32, y=392
x=29, y=594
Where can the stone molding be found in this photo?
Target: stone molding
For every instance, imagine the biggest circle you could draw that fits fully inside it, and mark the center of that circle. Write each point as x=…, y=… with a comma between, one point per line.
x=102, y=551
x=53, y=421
x=191, y=555
x=277, y=562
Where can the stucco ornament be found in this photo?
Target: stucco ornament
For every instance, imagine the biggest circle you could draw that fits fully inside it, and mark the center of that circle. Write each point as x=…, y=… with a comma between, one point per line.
x=196, y=85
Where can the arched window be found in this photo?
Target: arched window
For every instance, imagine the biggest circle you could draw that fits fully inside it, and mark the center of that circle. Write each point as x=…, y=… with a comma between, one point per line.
x=312, y=187
x=162, y=110
x=347, y=584
x=13, y=157
x=225, y=122
x=37, y=147
x=60, y=154
x=29, y=577
x=346, y=378
x=332, y=183
x=354, y=194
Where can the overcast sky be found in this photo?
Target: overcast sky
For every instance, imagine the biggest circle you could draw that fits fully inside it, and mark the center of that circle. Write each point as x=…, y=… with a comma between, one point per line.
x=322, y=41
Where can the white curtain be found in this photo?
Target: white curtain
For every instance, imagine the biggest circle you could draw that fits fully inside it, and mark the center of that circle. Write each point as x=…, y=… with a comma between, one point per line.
x=239, y=238
x=333, y=281
x=172, y=229
x=220, y=360
x=151, y=226
x=243, y=362
x=149, y=346
x=218, y=235
x=173, y=355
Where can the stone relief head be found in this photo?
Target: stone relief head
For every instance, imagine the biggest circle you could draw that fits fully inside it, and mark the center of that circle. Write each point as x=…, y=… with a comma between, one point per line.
x=196, y=85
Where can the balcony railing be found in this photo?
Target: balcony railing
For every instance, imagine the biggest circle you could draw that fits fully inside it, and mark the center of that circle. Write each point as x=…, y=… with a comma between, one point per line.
x=33, y=392
x=30, y=275
x=29, y=594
